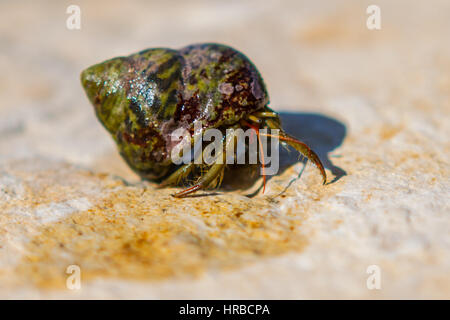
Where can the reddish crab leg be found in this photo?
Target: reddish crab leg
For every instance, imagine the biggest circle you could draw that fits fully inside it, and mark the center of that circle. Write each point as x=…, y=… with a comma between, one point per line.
x=187, y=191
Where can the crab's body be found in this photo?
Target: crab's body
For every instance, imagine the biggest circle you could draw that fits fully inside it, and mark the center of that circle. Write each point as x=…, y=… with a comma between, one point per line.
x=142, y=98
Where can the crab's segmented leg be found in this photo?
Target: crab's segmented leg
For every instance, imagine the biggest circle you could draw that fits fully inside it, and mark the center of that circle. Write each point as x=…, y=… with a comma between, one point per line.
x=297, y=145
x=261, y=150
x=265, y=114
x=214, y=172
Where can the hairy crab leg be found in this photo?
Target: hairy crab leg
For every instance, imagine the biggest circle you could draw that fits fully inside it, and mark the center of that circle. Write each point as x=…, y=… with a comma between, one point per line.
x=299, y=146
x=176, y=176
x=215, y=171
x=210, y=176
x=265, y=114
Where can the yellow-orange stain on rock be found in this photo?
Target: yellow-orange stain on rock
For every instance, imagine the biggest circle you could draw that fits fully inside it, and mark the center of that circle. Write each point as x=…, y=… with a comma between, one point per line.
x=140, y=233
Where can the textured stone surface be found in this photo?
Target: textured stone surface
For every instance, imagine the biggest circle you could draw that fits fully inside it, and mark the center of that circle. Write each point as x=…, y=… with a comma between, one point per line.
x=374, y=104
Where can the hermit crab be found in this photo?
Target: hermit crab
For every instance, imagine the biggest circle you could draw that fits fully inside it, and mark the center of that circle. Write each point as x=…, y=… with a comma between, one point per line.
x=142, y=98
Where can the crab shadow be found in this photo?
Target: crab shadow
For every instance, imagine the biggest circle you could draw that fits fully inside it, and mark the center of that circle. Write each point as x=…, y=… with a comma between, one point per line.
x=322, y=133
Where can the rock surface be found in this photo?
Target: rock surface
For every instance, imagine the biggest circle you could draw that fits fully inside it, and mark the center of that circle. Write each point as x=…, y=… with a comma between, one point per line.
x=374, y=104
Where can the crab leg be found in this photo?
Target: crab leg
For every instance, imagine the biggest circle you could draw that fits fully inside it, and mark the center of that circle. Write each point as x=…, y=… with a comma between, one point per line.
x=178, y=175
x=297, y=145
x=261, y=150
x=214, y=172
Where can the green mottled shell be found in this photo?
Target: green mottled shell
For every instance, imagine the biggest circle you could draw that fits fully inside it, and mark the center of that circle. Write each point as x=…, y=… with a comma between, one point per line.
x=142, y=98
